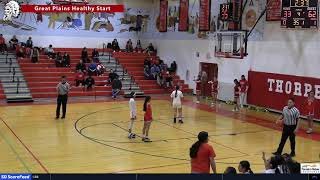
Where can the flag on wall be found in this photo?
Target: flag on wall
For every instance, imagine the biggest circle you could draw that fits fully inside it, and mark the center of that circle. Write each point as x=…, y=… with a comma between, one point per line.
x=163, y=15
x=183, y=15
x=204, y=15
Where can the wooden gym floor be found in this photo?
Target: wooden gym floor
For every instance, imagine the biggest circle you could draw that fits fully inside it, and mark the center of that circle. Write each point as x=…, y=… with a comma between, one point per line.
x=93, y=138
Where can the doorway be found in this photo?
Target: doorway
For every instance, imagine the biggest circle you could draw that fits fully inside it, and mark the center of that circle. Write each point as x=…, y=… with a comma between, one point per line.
x=212, y=71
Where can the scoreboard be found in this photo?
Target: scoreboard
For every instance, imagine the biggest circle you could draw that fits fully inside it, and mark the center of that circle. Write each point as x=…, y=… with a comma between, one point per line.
x=299, y=14
x=226, y=12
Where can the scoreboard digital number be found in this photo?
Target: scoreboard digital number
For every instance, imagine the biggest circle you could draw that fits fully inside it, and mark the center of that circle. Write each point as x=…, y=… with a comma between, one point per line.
x=297, y=14
x=226, y=12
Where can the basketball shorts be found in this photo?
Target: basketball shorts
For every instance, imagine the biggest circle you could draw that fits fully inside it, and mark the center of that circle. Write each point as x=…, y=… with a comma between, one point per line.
x=177, y=105
x=133, y=114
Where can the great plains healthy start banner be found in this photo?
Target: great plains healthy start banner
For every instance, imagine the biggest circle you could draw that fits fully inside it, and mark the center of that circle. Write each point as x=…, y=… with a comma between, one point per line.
x=273, y=90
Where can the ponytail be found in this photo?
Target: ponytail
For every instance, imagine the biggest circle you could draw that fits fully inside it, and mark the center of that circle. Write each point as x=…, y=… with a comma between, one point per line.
x=246, y=166
x=146, y=100
x=176, y=94
x=194, y=149
x=202, y=138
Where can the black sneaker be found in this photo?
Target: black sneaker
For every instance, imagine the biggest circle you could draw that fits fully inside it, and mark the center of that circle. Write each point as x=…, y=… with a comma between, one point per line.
x=292, y=154
x=63, y=117
x=174, y=120
x=180, y=121
x=276, y=153
x=57, y=117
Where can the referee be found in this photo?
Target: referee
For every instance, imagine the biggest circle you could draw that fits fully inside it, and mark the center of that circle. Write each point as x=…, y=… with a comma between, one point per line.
x=63, y=89
x=290, y=120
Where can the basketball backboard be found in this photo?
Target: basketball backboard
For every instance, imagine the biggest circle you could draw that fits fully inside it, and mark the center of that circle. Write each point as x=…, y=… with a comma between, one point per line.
x=231, y=44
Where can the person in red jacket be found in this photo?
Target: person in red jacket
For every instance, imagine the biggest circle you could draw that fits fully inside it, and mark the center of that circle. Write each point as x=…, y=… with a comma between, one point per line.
x=244, y=86
x=79, y=78
x=147, y=119
x=214, y=90
x=310, y=108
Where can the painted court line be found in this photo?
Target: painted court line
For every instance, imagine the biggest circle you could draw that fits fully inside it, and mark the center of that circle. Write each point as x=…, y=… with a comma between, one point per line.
x=39, y=162
x=248, y=118
x=15, y=152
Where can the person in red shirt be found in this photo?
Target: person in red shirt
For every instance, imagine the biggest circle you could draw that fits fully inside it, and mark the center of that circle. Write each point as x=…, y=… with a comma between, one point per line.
x=243, y=91
x=79, y=78
x=202, y=155
x=214, y=90
x=147, y=119
x=237, y=89
x=3, y=46
x=310, y=108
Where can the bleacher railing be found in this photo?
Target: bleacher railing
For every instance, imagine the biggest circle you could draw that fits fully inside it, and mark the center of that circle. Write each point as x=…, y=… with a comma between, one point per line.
x=18, y=84
x=106, y=50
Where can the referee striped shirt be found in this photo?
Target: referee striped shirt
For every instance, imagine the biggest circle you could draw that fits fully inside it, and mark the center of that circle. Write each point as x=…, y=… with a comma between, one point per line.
x=290, y=116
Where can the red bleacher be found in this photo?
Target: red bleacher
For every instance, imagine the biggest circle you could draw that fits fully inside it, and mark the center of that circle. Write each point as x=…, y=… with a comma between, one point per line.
x=2, y=95
x=133, y=63
x=43, y=77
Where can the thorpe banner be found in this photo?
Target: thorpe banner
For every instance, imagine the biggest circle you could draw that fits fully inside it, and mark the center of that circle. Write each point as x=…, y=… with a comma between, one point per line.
x=273, y=90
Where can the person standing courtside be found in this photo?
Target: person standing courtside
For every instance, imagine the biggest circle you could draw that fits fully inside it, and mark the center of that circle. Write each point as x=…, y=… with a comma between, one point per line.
x=290, y=120
x=63, y=89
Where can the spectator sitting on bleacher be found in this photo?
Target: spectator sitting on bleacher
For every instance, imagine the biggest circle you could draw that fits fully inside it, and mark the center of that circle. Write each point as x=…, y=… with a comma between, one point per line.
x=147, y=62
x=13, y=42
x=163, y=67
x=100, y=69
x=49, y=52
x=81, y=66
x=20, y=51
x=79, y=78
x=59, y=60
x=115, y=45
x=150, y=49
x=112, y=76
x=89, y=83
x=147, y=73
x=129, y=47
x=109, y=46
x=169, y=80
x=92, y=69
x=160, y=80
x=173, y=67
x=95, y=56
x=116, y=87
x=84, y=55
x=3, y=46
x=29, y=43
x=138, y=47
x=155, y=70
x=34, y=55
x=66, y=60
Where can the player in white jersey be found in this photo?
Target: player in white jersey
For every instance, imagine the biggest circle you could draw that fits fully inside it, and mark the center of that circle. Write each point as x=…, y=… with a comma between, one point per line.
x=133, y=114
x=177, y=104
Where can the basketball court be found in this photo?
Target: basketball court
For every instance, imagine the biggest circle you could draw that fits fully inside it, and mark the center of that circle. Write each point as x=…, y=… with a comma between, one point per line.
x=93, y=138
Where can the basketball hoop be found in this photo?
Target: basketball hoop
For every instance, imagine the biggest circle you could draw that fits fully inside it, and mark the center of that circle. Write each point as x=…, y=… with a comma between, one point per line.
x=230, y=44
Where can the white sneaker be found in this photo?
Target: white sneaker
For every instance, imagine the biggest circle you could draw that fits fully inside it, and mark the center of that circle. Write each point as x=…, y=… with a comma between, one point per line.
x=198, y=102
x=309, y=131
